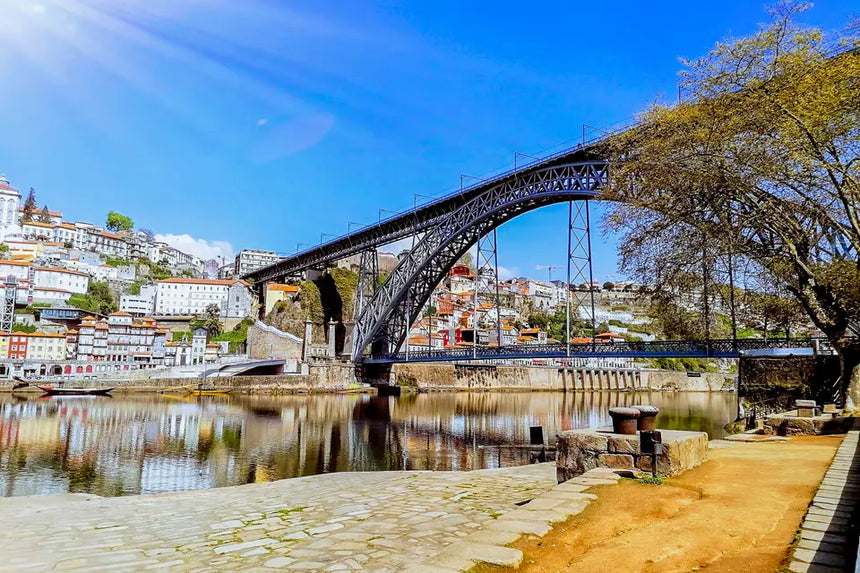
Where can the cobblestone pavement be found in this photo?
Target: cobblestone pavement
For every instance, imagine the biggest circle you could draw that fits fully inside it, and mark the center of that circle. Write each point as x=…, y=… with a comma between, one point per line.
x=828, y=535
x=372, y=521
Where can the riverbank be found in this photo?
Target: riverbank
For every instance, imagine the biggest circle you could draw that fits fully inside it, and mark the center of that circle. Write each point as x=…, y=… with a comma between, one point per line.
x=340, y=378
x=740, y=510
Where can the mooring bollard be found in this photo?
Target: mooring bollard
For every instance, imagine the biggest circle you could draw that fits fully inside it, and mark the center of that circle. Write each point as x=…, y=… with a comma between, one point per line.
x=647, y=417
x=624, y=420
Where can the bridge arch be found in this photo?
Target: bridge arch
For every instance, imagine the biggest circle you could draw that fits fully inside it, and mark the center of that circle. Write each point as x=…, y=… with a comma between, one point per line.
x=384, y=322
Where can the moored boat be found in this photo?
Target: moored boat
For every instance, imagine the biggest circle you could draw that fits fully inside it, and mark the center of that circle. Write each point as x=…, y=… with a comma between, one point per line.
x=209, y=391
x=51, y=391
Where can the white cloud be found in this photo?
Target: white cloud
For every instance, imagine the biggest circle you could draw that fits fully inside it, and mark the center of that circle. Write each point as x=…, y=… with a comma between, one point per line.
x=292, y=136
x=198, y=247
x=506, y=273
x=398, y=246
x=263, y=121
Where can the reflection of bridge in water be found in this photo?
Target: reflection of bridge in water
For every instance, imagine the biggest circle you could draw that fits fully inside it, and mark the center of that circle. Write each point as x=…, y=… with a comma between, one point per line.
x=147, y=444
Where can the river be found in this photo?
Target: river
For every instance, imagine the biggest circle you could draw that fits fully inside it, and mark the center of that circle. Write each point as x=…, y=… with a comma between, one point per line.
x=153, y=443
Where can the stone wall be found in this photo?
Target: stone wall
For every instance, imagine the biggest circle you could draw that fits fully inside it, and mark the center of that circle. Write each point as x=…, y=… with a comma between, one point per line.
x=439, y=376
x=266, y=341
x=775, y=383
x=789, y=424
x=578, y=451
x=322, y=378
x=697, y=382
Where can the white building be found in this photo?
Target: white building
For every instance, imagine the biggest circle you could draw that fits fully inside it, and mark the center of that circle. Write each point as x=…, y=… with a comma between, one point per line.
x=142, y=304
x=74, y=281
x=9, y=200
x=250, y=260
x=181, y=296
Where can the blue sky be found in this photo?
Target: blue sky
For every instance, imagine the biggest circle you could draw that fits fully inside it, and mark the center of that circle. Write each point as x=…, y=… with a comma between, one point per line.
x=263, y=123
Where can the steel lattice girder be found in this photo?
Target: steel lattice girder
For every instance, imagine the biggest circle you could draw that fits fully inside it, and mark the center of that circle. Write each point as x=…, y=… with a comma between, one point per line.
x=385, y=320
x=719, y=348
x=406, y=224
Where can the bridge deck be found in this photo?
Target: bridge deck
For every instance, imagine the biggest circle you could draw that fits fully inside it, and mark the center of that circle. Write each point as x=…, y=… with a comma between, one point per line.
x=723, y=348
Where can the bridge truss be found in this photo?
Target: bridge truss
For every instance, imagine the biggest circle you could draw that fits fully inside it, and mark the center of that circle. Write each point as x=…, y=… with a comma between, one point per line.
x=384, y=322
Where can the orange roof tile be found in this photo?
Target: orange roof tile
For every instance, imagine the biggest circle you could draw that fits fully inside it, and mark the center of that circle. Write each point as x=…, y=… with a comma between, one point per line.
x=15, y=263
x=177, y=280
x=282, y=288
x=53, y=270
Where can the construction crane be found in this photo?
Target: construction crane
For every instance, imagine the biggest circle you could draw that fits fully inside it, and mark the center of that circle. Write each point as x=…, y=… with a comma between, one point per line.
x=549, y=269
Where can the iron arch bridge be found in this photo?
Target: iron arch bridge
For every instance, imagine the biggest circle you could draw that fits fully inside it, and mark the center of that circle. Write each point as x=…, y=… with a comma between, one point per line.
x=385, y=320
x=447, y=227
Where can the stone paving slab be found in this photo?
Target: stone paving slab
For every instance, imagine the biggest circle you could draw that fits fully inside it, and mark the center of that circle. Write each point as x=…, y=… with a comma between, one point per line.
x=828, y=534
x=361, y=521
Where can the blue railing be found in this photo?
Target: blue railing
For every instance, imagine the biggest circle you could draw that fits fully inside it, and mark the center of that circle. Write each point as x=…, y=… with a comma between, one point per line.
x=720, y=348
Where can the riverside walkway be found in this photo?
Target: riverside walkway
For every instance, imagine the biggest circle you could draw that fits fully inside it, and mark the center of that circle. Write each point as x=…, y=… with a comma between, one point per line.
x=828, y=535
x=370, y=521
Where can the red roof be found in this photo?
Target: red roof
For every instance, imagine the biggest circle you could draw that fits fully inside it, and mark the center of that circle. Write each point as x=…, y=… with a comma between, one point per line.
x=202, y=281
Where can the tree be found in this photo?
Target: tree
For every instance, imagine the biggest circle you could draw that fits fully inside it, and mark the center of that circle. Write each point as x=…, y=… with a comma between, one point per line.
x=608, y=286
x=117, y=222
x=210, y=319
x=29, y=210
x=44, y=215
x=98, y=299
x=760, y=161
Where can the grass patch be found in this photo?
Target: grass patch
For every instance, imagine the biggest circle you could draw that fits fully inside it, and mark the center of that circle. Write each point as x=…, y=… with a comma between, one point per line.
x=651, y=480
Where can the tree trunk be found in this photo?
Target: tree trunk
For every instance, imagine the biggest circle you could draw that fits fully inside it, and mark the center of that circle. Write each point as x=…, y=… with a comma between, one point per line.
x=849, y=360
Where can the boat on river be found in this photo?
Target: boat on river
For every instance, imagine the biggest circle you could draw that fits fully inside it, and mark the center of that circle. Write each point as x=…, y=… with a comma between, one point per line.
x=209, y=391
x=52, y=391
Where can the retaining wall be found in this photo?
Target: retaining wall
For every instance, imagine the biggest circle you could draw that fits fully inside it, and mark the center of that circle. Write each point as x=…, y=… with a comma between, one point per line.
x=320, y=378
x=536, y=378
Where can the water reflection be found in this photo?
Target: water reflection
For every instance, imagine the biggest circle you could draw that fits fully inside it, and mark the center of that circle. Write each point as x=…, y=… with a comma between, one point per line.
x=153, y=443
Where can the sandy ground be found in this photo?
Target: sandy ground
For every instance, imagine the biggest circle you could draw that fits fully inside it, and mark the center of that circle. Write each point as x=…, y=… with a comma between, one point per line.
x=739, y=511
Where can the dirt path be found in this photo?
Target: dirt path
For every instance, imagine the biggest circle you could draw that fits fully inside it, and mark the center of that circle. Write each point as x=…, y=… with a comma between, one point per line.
x=739, y=511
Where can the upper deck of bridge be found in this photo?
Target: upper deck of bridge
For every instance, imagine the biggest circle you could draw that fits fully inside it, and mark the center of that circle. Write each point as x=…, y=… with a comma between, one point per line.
x=412, y=221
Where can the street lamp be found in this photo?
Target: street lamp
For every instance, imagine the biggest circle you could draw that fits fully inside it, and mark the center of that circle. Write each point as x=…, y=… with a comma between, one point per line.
x=518, y=154
x=381, y=211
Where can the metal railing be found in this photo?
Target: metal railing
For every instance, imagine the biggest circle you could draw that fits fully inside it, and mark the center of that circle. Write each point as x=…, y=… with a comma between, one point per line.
x=719, y=348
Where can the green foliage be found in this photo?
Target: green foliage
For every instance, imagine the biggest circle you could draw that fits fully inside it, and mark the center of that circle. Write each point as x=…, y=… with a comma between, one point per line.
x=602, y=328
x=555, y=324
x=134, y=288
x=118, y=222
x=44, y=215
x=608, y=286
x=21, y=327
x=466, y=259
x=684, y=364
x=156, y=272
x=310, y=301
x=29, y=211
x=651, y=480
x=210, y=320
x=236, y=337
x=430, y=310
x=4, y=248
x=346, y=282
x=116, y=261
x=98, y=299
